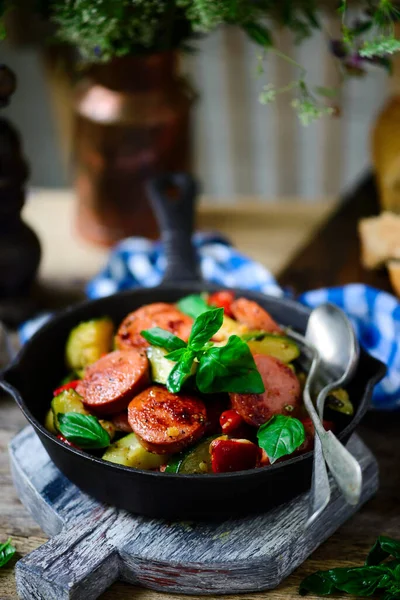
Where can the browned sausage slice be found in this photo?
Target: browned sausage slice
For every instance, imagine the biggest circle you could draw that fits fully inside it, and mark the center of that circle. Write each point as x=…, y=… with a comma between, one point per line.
x=121, y=422
x=254, y=316
x=282, y=393
x=164, y=422
x=111, y=382
x=158, y=314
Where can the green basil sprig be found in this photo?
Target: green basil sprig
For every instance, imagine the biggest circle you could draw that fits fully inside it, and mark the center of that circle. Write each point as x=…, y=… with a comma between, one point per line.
x=193, y=305
x=229, y=368
x=7, y=551
x=163, y=338
x=83, y=430
x=280, y=436
x=374, y=576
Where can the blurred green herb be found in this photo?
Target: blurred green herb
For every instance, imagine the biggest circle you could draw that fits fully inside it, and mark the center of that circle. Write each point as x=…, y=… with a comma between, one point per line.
x=106, y=29
x=7, y=551
x=375, y=576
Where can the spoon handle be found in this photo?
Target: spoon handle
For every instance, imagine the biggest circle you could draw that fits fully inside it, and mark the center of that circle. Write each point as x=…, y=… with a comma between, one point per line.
x=344, y=468
x=320, y=492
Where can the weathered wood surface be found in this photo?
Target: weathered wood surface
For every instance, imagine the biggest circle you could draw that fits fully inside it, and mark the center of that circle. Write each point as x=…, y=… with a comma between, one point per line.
x=92, y=545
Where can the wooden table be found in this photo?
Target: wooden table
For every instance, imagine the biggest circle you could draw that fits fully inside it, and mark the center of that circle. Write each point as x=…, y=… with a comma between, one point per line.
x=273, y=234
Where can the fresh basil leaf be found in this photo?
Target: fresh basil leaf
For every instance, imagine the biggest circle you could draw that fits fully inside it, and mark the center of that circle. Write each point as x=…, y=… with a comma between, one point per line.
x=7, y=551
x=193, y=305
x=280, y=436
x=176, y=355
x=180, y=372
x=204, y=327
x=83, y=430
x=382, y=549
x=359, y=581
x=165, y=339
x=229, y=368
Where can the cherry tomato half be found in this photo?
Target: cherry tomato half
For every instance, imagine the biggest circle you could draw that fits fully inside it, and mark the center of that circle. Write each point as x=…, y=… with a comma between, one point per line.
x=223, y=300
x=230, y=421
x=71, y=385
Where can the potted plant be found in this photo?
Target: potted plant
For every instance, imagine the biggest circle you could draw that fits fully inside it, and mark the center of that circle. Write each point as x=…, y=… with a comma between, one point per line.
x=133, y=106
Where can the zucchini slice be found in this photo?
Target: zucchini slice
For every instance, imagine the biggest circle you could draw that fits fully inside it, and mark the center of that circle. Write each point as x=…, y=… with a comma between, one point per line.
x=129, y=452
x=278, y=346
x=87, y=342
x=66, y=402
x=197, y=460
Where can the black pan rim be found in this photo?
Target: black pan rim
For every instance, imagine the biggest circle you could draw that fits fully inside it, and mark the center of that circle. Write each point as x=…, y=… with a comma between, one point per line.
x=140, y=472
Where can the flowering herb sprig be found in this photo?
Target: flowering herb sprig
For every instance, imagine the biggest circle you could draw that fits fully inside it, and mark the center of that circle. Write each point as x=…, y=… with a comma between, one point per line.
x=106, y=29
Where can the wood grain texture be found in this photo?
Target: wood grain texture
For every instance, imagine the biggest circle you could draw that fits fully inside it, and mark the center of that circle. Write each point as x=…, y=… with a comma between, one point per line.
x=92, y=545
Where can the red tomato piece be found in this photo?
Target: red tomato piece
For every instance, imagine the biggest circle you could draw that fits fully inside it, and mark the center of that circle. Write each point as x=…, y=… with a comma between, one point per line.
x=63, y=439
x=230, y=421
x=223, y=300
x=71, y=385
x=234, y=455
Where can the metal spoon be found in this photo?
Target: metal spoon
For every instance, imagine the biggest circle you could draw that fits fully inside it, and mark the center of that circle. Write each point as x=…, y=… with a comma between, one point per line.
x=332, y=334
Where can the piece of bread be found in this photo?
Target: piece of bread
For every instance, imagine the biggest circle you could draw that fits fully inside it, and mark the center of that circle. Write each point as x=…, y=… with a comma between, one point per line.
x=380, y=239
x=393, y=267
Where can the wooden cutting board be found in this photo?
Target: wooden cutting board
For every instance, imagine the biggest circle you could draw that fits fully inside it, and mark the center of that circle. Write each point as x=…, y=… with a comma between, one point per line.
x=92, y=545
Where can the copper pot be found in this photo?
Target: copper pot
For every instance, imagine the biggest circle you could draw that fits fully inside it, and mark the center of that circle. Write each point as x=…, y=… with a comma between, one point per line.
x=132, y=121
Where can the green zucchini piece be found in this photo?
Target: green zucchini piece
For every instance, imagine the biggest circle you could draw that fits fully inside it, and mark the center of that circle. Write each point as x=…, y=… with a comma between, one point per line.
x=197, y=460
x=109, y=427
x=229, y=327
x=160, y=366
x=339, y=401
x=278, y=346
x=174, y=463
x=49, y=422
x=250, y=336
x=87, y=342
x=66, y=402
x=128, y=452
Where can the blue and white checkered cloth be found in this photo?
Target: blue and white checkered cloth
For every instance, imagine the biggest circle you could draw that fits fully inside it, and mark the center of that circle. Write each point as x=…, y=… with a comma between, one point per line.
x=375, y=315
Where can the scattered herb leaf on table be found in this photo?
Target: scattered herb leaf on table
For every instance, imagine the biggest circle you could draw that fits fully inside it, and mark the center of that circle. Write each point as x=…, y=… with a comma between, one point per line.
x=375, y=576
x=7, y=551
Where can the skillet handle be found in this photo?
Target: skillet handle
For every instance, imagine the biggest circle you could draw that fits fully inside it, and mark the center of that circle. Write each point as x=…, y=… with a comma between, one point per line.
x=175, y=217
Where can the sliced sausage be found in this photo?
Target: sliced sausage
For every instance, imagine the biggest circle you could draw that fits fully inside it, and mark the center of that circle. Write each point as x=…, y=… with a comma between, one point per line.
x=111, y=382
x=254, y=316
x=164, y=422
x=282, y=393
x=158, y=314
x=121, y=422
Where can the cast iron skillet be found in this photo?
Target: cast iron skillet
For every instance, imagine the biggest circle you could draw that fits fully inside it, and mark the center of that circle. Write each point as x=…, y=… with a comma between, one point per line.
x=39, y=367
